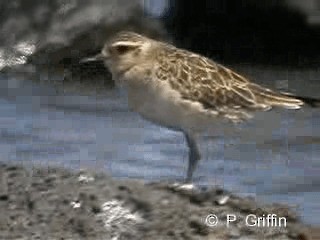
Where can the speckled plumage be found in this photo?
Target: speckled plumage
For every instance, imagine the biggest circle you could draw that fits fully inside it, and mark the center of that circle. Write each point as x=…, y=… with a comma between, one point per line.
x=216, y=87
x=183, y=90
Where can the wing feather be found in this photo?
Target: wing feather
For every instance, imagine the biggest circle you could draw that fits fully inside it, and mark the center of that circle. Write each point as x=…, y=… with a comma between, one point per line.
x=218, y=88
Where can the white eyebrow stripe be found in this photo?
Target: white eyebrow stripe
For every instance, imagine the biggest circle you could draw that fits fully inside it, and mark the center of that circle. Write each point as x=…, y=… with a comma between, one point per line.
x=125, y=43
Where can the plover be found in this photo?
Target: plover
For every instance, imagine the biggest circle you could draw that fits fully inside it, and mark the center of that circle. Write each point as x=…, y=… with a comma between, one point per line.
x=185, y=91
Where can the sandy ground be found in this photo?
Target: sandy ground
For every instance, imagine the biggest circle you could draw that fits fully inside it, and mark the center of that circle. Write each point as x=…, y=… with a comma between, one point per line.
x=52, y=203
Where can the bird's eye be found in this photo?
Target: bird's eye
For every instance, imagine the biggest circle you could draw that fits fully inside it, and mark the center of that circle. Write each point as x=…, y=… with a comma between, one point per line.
x=121, y=49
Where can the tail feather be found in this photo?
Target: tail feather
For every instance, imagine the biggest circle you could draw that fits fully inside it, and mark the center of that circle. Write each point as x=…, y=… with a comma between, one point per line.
x=273, y=98
x=312, y=102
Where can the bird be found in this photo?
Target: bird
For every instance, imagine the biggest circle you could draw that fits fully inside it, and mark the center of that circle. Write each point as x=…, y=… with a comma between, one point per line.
x=185, y=91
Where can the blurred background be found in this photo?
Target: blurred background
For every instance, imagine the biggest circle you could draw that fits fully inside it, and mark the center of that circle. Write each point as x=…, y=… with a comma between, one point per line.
x=56, y=111
x=262, y=32
x=249, y=31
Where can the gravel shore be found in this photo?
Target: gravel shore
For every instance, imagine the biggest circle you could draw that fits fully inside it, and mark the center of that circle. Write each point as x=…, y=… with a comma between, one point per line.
x=54, y=203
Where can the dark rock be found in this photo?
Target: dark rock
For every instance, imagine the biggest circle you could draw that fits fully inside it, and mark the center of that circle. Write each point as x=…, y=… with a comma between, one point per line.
x=234, y=31
x=4, y=197
x=139, y=214
x=198, y=227
x=50, y=37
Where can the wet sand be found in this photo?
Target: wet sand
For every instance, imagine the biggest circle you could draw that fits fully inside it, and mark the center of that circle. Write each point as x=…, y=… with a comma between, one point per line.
x=53, y=203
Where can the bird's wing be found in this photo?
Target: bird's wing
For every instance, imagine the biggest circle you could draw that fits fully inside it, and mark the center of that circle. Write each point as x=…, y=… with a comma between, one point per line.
x=218, y=88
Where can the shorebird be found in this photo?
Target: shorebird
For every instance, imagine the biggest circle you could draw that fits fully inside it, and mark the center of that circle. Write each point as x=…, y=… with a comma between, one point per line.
x=185, y=91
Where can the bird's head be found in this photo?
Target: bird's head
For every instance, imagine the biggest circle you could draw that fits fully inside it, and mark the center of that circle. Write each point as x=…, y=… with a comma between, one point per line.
x=124, y=51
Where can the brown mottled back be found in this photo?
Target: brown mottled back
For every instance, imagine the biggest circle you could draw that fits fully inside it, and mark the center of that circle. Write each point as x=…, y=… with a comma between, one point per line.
x=216, y=87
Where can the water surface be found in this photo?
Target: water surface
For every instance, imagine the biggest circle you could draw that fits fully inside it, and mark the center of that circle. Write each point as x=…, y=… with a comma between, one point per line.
x=274, y=158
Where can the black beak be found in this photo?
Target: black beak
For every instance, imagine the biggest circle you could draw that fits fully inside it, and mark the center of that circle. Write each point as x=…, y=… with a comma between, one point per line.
x=97, y=58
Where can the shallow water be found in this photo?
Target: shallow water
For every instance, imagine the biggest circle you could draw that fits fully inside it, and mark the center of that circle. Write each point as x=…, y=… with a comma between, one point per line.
x=274, y=158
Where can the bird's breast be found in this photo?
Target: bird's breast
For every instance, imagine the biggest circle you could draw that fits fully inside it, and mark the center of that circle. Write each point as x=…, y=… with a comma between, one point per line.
x=159, y=103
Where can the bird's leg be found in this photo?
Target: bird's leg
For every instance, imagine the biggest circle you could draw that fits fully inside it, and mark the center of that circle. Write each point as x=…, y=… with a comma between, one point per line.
x=194, y=155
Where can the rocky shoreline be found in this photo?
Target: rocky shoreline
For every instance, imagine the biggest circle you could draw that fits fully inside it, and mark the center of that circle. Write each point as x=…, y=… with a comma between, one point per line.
x=54, y=203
